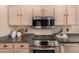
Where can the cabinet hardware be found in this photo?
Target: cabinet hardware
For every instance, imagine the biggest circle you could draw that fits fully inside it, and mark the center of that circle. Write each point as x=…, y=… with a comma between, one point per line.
x=21, y=46
x=5, y=45
x=67, y=14
x=18, y=14
x=45, y=10
x=21, y=14
x=67, y=29
x=64, y=14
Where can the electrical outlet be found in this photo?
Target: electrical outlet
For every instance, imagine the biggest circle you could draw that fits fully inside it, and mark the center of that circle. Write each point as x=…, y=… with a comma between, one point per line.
x=67, y=29
x=26, y=30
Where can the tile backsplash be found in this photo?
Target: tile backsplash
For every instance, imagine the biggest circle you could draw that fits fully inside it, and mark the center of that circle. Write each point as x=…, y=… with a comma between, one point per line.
x=5, y=30
x=43, y=31
x=72, y=29
x=39, y=31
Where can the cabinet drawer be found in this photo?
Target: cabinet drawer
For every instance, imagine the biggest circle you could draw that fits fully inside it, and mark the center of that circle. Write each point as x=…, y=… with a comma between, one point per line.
x=6, y=50
x=21, y=50
x=6, y=45
x=21, y=45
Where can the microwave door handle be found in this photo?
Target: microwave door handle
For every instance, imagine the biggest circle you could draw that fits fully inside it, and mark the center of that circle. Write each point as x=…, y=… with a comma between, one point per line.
x=49, y=22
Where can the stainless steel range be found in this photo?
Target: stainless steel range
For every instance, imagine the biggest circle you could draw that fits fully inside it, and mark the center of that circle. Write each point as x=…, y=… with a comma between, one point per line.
x=44, y=44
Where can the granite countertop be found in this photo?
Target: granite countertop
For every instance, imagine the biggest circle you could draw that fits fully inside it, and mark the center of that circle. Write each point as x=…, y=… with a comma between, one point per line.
x=72, y=38
x=25, y=39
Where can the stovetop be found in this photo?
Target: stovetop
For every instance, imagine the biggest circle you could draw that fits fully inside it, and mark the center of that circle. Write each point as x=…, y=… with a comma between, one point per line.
x=43, y=37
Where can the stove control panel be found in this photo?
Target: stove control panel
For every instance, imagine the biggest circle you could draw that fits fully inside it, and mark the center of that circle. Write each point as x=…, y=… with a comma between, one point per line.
x=44, y=43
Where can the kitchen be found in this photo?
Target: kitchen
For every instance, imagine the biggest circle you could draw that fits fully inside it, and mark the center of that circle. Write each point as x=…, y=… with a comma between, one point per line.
x=39, y=29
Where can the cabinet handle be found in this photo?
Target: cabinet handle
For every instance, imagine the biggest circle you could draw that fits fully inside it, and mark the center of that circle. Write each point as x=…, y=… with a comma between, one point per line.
x=18, y=14
x=64, y=14
x=5, y=45
x=44, y=10
x=21, y=14
x=67, y=14
x=41, y=10
x=21, y=46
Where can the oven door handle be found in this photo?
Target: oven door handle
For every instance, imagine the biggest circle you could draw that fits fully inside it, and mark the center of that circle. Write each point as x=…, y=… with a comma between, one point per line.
x=43, y=48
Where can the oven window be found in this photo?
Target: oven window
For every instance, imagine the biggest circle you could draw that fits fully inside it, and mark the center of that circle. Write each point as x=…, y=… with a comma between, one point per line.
x=44, y=43
x=43, y=51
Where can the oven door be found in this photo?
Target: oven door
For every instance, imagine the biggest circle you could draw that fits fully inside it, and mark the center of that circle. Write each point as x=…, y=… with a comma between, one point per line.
x=44, y=50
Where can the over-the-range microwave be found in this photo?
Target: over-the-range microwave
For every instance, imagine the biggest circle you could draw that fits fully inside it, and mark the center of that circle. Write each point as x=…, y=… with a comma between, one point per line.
x=43, y=22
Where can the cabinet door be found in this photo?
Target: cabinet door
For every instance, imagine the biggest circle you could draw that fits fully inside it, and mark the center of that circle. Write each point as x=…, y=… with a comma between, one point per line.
x=69, y=48
x=4, y=28
x=6, y=45
x=60, y=14
x=71, y=15
x=48, y=10
x=6, y=50
x=21, y=50
x=37, y=10
x=21, y=45
x=26, y=15
x=14, y=15
x=78, y=15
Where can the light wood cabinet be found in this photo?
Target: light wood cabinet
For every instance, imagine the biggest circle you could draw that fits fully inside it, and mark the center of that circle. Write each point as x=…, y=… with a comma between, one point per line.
x=14, y=48
x=60, y=12
x=65, y=15
x=4, y=29
x=21, y=45
x=20, y=15
x=43, y=10
x=77, y=15
x=69, y=48
x=6, y=48
x=71, y=15
x=14, y=15
x=27, y=13
x=6, y=45
x=21, y=48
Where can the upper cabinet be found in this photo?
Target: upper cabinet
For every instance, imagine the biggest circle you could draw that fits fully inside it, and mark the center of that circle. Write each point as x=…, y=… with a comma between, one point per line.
x=4, y=29
x=26, y=15
x=65, y=15
x=14, y=15
x=20, y=15
x=43, y=10
x=71, y=15
x=60, y=12
x=77, y=15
